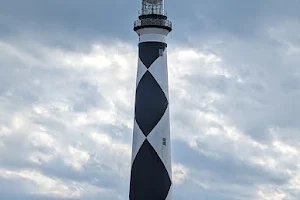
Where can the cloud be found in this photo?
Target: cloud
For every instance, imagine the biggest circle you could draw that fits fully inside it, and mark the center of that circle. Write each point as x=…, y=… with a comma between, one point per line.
x=230, y=118
x=57, y=114
x=66, y=101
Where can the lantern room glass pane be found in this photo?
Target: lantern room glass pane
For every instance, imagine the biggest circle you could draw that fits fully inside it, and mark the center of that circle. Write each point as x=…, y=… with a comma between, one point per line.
x=153, y=7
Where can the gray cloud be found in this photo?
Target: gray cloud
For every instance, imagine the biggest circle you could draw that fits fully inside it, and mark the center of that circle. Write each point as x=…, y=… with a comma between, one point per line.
x=67, y=92
x=93, y=19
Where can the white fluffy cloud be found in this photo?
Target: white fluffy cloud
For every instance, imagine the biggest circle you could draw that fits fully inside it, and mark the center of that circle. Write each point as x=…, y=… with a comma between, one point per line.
x=66, y=118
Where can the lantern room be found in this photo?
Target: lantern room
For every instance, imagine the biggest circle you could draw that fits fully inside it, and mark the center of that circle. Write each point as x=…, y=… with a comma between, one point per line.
x=153, y=7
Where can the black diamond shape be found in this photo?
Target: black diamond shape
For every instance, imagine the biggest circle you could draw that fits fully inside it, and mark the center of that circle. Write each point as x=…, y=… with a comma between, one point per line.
x=149, y=178
x=150, y=103
x=149, y=51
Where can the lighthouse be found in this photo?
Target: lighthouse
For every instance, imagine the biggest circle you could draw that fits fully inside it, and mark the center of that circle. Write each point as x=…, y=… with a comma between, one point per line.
x=151, y=170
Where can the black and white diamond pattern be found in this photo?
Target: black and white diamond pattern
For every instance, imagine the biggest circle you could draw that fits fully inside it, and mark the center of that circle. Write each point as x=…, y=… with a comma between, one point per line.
x=149, y=51
x=151, y=156
x=150, y=179
x=162, y=130
x=140, y=71
x=161, y=73
x=150, y=103
x=138, y=140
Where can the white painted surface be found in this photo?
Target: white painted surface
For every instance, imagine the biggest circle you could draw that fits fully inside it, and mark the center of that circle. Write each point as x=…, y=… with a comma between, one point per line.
x=140, y=71
x=138, y=140
x=152, y=35
x=159, y=70
x=152, y=38
x=160, y=131
x=169, y=197
x=160, y=31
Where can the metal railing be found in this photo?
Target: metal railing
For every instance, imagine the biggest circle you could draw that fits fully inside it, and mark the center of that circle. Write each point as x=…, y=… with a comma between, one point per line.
x=153, y=22
x=153, y=11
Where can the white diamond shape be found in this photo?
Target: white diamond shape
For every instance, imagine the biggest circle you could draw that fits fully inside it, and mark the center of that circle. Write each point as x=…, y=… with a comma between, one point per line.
x=159, y=70
x=156, y=139
x=140, y=71
x=138, y=140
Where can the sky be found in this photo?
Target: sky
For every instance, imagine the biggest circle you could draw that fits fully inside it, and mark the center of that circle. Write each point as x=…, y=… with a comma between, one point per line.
x=67, y=86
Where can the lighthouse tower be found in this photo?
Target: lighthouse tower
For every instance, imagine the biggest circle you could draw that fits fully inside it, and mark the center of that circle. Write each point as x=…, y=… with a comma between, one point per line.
x=151, y=171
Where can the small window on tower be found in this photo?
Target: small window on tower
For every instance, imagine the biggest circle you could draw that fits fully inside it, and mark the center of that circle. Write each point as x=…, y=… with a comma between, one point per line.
x=161, y=52
x=164, y=141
